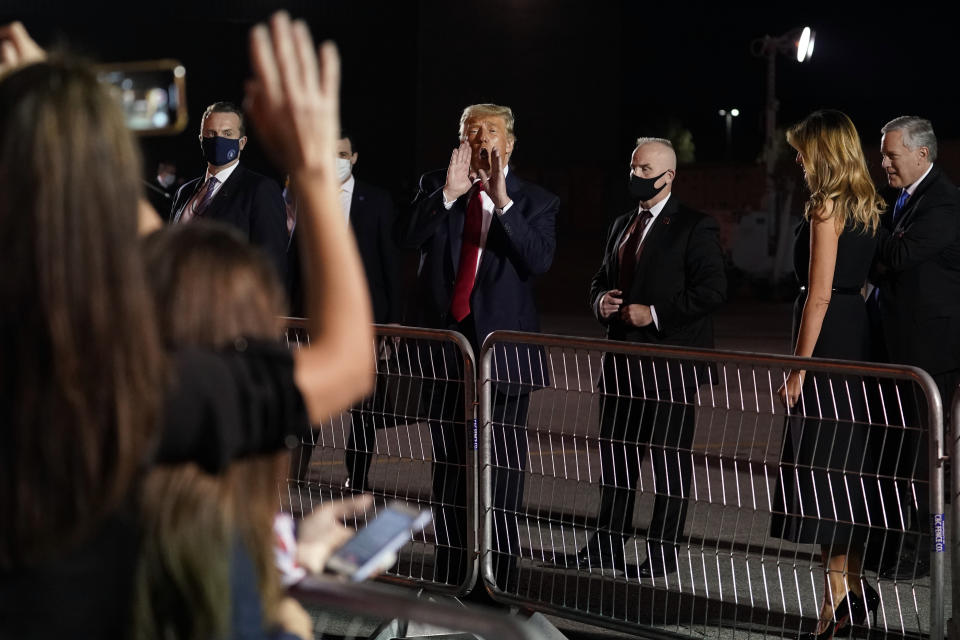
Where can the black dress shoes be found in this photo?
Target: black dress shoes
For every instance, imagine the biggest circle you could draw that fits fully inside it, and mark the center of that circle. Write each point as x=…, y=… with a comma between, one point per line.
x=909, y=566
x=601, y=553
x=657, y=566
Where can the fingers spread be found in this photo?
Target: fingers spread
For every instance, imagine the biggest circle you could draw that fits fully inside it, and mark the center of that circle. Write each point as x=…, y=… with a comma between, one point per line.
x=330, y=72
x=306, y=58
x=264, y=64
x=285, y=54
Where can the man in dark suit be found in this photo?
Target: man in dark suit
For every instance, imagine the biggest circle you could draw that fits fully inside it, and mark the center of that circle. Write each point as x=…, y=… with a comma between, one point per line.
x=662, y=276
x=230, y=193
x=371, y=214
x=484, y=236
x=917, y=275
x=162, y=188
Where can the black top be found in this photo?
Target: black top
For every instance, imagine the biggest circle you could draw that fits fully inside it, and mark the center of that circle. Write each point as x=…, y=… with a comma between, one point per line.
x=845, y=330
x=222, y=405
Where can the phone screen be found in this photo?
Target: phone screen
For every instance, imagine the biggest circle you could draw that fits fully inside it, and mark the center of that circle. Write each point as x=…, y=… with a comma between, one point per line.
x=151, y=94
x=387, y=533
x=377, y=535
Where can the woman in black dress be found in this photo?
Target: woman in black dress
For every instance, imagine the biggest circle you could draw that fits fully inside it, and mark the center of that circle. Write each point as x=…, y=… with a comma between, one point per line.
x=825, y=439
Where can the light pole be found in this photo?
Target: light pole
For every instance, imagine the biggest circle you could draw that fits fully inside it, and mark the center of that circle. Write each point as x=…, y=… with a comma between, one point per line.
x=729, y=115
x=798, y=44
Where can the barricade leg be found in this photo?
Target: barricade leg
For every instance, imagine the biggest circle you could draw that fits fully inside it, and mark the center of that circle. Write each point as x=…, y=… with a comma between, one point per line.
x=448, y=431
x=509, y=440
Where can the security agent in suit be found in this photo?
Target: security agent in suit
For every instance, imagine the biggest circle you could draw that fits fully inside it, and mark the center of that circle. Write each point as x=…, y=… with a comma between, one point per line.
x=230, y=193
x=917, y=276
x=662, y=276
x=372, y=215
x=484, y=236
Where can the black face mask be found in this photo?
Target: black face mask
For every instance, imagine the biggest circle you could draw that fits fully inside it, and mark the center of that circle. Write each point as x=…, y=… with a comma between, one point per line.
x=642, y=188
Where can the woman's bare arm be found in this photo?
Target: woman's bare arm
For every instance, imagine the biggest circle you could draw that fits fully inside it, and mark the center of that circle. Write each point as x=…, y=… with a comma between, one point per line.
x=824, y=239
x=293, y=100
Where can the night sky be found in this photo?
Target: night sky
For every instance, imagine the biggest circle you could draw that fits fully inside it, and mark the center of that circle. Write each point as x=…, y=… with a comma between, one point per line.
x=585, y=78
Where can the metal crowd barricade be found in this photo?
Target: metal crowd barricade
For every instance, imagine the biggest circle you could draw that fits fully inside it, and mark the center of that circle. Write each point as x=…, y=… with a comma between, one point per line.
x=412, y=440
x=955, y=512
x=680, y=495
x=351, y=610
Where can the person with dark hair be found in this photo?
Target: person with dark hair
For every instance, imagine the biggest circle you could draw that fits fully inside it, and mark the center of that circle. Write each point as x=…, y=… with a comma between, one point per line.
x=231, y=193
x=206, y=562
x=827, y=438
x=370, y=213
x=90, y=396
x=916, y=271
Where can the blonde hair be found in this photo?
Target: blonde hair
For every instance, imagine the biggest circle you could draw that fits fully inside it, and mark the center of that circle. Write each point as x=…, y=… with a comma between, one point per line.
x=836, y=170
x=488, y=109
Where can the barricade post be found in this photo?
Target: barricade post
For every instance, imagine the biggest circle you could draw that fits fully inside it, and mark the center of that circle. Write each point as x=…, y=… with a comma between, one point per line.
x=737, y=497
x=955, y=520
x=413, y=440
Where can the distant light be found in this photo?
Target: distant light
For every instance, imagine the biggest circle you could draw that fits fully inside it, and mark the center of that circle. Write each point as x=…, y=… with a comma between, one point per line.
x=804, y=46
x=179, y=71
x=723, y=112
x=734, y=112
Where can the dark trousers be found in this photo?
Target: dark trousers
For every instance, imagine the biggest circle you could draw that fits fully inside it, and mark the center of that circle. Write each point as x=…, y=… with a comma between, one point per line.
x=376, y=411
x=632, y=429
x=451, y=485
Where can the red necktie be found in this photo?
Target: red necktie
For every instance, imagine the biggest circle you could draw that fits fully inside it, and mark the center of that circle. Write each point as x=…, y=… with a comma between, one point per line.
x=469, y=252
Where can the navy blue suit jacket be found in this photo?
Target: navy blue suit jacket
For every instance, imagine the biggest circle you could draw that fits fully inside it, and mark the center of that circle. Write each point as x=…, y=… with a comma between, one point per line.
x=520, y=246
x=252, y=203
x=917, y=267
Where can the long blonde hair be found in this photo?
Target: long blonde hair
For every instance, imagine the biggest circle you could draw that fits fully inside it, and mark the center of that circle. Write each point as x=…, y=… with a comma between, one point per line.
x=836, y=170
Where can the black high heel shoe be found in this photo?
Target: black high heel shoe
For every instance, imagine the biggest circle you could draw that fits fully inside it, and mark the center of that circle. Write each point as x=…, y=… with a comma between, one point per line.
x=851, y=608
x=863, y=606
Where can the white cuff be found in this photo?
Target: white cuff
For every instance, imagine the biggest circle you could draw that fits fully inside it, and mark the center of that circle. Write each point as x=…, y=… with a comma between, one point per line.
x=653, y=314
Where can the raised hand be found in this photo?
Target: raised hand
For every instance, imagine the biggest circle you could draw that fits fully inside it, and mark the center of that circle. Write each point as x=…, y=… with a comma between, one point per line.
x=458, y=173
x=495, y=184
x=294, y=99
x=17, y=48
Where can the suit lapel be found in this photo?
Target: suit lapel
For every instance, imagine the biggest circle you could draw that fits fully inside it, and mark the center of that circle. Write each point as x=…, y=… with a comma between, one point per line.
x=196, y=187
x=515, y=192
x=455, y=221
x=655, y=235
x=917, y=198
x=358, y=203
x=224, y=195
x=615, y=257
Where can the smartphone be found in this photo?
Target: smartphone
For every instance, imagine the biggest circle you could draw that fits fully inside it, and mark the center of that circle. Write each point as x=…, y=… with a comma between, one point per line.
x=375, y=544
x=151, y=93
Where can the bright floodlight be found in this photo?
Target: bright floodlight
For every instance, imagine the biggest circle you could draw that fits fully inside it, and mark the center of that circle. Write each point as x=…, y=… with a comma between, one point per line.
x=810, y=46
x=805, y=45
x=734, y=112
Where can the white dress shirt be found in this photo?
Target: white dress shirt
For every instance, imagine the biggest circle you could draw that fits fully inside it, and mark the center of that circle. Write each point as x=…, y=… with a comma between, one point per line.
x=346, y=196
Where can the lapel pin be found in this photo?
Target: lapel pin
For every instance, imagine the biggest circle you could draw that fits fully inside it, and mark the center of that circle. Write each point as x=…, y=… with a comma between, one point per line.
x=666, y=220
